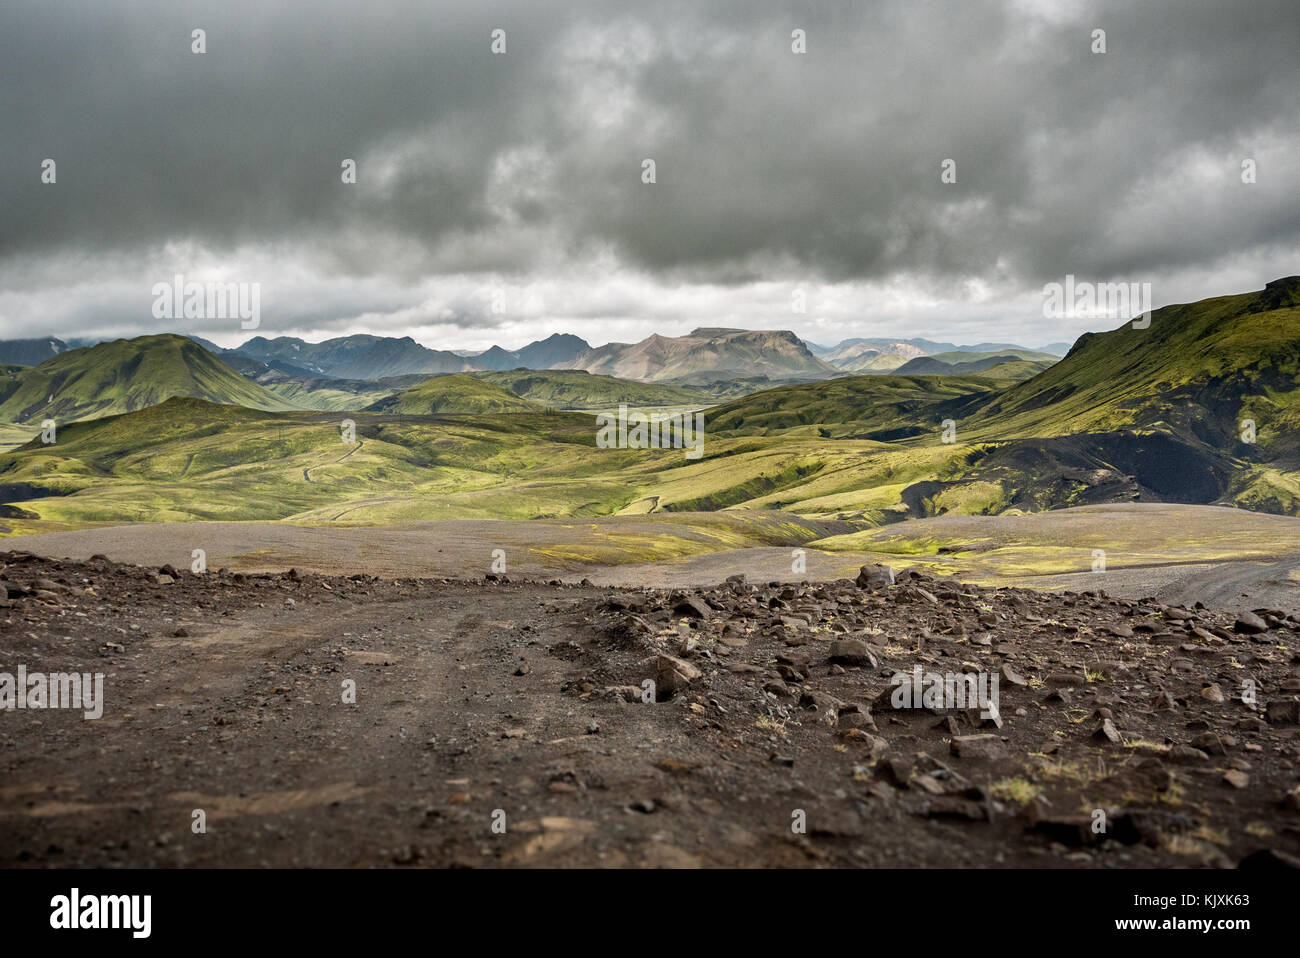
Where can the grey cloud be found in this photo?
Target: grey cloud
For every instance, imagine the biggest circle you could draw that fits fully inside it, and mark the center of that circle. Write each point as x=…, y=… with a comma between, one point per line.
x=771, y=167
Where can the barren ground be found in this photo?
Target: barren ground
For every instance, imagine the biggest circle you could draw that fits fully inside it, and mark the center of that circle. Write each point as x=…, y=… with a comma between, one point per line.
x=1228, y=558
x=520, y=702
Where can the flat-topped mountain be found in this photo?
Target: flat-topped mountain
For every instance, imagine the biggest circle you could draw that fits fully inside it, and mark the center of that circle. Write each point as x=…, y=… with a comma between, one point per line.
x=704, y=353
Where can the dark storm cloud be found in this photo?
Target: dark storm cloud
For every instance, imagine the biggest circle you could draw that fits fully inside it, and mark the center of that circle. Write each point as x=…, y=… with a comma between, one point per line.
x=770, y=166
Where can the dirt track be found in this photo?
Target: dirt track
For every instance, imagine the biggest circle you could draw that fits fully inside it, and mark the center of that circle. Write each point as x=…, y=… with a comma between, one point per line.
x=224, y=693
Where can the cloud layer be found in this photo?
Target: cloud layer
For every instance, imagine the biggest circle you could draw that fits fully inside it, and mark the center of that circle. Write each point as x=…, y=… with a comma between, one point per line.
x=515, y=179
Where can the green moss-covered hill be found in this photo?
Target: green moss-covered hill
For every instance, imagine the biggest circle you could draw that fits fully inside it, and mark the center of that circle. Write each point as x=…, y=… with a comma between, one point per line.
x=122, y=376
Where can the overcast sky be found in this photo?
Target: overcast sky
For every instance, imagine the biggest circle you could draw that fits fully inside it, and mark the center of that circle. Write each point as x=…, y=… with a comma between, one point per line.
x=520, y=174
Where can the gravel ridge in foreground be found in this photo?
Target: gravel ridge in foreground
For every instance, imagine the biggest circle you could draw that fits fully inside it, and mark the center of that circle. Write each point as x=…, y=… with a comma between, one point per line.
x=507, y=723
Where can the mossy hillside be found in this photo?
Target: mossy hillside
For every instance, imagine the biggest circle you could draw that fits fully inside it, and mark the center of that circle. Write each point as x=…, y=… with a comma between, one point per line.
x=579, y=389
x=896, y=407
x=125, y=375
x=329, y=395
x=1192, y=371
x=457, y=394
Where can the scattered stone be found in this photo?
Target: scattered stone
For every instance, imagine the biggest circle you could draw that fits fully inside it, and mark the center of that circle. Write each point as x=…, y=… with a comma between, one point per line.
x=692, y=606
x=1212, y=693
x=1283, y=712
x=672, y=675
x=1108, y=732
x=875, y=577
x=851, y=652
x=1213, y=743
x=1067, y=679
x=1248, y=623
x=1012, y=677
x=981, y=746
x=1236, y=778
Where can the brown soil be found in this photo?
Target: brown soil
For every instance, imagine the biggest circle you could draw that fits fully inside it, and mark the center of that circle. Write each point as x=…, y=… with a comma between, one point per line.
x=520, y=702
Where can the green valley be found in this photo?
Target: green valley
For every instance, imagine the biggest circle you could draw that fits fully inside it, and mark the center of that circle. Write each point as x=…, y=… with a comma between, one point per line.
x=161, y=430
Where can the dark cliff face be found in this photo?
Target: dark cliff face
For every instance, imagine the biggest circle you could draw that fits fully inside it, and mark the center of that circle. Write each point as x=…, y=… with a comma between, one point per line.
x=1279, y=294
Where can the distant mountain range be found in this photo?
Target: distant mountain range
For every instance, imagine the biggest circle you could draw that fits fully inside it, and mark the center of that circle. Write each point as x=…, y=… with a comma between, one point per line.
x=890, y=355
x=353, y=357
x=377, y=357
x=392, y=374
x=1202, y=405
x=702, y=356
x=968, y=362
x=928, y=347
x=546, y=353
x=126, y=375
x=869, y=356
